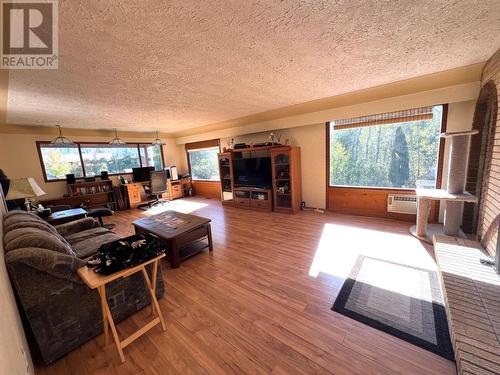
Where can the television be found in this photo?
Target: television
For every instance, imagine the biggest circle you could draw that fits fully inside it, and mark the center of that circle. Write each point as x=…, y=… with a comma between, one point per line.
x=142, y=174
x=252, y=172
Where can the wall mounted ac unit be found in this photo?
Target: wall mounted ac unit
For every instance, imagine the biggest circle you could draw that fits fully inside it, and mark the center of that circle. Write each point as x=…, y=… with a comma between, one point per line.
x=403, y=204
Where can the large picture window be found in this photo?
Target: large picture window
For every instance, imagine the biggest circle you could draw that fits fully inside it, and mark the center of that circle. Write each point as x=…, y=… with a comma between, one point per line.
x=58, y=162
x=90, y=159
x=203, y=164
x=391, y=150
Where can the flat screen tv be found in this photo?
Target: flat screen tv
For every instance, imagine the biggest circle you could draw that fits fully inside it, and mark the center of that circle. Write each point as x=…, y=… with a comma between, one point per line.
x=255, y=172
x=142, y=174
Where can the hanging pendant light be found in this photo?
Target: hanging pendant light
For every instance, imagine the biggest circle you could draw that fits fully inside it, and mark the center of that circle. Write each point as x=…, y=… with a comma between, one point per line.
x=116, y=141
x=61, y=141
x=158, y=141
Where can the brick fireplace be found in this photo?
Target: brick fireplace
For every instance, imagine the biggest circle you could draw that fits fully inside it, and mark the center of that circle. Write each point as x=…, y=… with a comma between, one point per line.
x=488, y=213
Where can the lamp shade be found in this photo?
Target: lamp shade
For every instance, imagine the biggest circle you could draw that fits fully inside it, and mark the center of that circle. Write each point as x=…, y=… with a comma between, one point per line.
x=23, y=188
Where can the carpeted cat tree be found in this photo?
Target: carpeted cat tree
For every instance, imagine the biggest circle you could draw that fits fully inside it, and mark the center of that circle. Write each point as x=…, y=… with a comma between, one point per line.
x=453, y=197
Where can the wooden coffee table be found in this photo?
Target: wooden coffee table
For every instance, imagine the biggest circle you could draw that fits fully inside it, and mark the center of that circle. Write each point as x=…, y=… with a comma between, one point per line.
x=177, y=229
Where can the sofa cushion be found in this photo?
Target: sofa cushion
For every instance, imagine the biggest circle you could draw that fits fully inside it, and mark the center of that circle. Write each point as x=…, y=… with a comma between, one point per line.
x=89, y=246
x=33, y=237
x=86, y=234
x=23, y=219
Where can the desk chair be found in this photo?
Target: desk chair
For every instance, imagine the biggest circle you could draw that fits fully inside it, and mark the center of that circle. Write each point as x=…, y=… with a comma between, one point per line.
x=157, y=186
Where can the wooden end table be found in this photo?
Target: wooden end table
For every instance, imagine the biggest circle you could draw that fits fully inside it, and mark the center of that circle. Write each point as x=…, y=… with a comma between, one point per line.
x=176, y=230
x=98, y=281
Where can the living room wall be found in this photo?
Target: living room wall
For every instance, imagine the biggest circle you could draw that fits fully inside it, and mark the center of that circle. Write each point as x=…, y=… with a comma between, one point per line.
x=19, y=155
x=311, y=139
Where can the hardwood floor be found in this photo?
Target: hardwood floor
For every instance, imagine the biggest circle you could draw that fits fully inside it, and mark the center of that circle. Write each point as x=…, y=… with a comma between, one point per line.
x=253, y=307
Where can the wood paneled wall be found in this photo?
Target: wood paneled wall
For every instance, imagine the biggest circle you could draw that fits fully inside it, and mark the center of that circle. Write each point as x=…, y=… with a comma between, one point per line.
x=208, y=189
x=369, y=202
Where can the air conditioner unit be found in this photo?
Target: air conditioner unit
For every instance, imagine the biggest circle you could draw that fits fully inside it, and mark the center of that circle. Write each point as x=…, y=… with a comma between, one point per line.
x=403, y=204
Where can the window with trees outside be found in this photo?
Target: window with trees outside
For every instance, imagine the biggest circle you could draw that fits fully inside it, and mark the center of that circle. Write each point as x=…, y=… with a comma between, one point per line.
x=90, y=159
x=390, y=150
x=203, y=164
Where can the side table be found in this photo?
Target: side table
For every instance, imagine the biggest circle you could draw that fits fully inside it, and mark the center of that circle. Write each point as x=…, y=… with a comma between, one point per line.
x=98, y=281
x=65, y=216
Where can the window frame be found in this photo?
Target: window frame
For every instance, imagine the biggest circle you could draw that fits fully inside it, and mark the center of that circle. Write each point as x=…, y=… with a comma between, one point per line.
x=439, y=177
x=40, y=144
x=201, y=149
x=201, y=145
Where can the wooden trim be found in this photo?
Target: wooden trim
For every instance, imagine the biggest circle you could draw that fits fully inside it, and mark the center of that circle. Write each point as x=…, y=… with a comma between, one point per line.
x=203, y=144
x=42, y=165
x=367, y=202
x=207, y=189
x=79, y=145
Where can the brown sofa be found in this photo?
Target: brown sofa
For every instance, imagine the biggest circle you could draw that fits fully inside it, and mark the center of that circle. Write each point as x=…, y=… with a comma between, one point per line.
x=62, y=312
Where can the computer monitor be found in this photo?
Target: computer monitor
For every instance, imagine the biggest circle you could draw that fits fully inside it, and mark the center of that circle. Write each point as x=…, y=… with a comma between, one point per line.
x=142, y=174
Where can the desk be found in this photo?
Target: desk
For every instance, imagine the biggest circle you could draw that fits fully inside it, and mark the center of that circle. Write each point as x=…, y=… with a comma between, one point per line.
x=136, y=194
x=98, y=281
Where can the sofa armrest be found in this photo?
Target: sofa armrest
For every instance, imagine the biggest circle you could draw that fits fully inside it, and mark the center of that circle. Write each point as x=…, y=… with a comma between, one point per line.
x=56, y=264
x=76, y=226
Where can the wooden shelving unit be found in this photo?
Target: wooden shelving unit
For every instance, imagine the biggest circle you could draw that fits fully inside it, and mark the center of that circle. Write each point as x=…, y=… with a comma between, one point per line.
x=286, y=192
x=287, y=179
x=89, y=194
x=226, y=178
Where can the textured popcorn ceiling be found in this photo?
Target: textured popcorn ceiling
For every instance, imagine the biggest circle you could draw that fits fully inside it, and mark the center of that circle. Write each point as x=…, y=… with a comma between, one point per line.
x=171, y=66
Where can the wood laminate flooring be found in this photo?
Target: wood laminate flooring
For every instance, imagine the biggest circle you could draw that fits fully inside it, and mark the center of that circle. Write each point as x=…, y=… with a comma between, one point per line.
x=261, y=303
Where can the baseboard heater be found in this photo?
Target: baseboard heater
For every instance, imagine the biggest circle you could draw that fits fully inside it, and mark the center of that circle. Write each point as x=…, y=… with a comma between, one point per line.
x=402, y=204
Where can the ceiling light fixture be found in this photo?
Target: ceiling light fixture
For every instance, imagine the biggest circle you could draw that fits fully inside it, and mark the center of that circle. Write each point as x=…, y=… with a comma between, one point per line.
x=61, y=141
x=158, y=141
x=116, y=141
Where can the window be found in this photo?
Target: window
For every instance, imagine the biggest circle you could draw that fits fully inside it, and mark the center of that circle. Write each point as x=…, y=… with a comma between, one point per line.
x=58, y=162
x=391, y=150
x=151, y=155
x=203, y=163
x=97, y=157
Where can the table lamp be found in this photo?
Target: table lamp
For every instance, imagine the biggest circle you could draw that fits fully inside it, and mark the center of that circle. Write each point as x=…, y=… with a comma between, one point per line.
x=24, y=188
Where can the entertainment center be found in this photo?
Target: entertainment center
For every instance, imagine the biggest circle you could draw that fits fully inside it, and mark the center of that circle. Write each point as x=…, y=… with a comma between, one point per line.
x=262, y=178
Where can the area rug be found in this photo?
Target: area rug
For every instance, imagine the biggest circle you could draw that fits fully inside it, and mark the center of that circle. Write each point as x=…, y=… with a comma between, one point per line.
x=403, y=301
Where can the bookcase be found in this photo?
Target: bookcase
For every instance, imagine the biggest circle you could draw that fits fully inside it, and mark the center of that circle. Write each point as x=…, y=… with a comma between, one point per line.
x=287, y=185
x=88, y=194
x=226, y=178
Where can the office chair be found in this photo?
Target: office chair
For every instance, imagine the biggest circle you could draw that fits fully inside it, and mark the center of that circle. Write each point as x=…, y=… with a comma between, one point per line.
x=157, y=186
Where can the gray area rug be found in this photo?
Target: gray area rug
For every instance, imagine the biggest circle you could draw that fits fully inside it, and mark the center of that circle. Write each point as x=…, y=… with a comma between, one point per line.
x=403, y=301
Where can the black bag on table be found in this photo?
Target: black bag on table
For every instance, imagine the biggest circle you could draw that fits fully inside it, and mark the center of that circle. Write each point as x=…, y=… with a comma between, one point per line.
x=125, y=253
